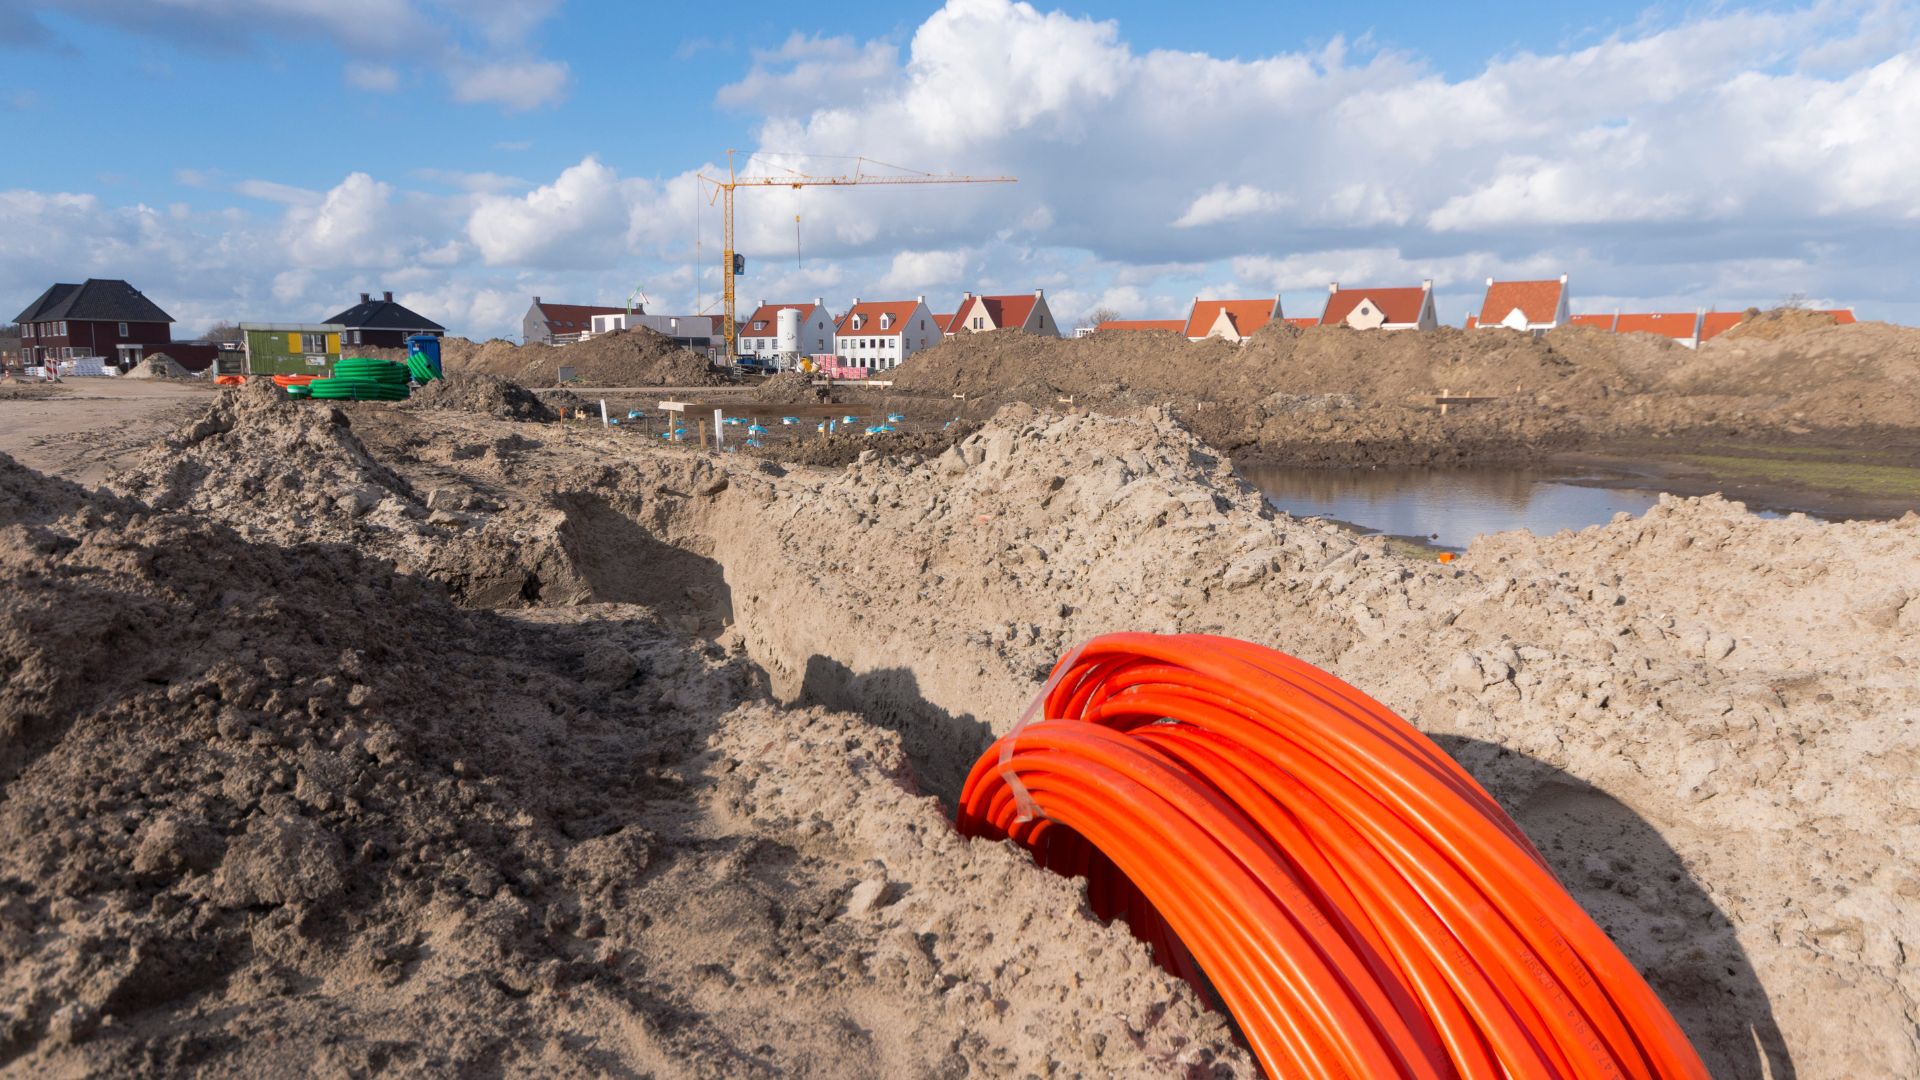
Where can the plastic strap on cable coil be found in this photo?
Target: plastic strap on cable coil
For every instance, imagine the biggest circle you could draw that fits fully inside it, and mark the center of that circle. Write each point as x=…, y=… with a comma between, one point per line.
x=1035, y=708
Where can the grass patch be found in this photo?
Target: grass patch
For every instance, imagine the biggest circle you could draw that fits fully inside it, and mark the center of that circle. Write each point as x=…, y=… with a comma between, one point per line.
x=1816, y=468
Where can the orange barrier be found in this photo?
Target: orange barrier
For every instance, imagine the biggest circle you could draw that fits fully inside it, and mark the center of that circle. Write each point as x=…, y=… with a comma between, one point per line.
x=229, y=380
x=293, y=380
x=1358, y=901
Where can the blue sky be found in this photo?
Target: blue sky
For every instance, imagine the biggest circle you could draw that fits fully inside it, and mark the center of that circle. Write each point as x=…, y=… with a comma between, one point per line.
x=267, y=159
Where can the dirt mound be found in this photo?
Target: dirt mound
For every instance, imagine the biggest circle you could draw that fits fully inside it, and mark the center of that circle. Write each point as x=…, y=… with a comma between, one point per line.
x=1668, y=704
x=488, y=395
x=840, y=448
x=265, y=808
x=640, y=357
x=158, y=366
x=274, y=469
x=787, y=388
x=1778, y=323
x=1531, y=393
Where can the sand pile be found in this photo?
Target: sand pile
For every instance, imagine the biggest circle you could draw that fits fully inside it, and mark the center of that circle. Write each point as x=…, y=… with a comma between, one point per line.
x=488, y=395
x=276, y=470
x=270, y=810
x=1778, y=323
x=1537, y=393
x=1701, y=716
x=157, y=366
x=787, y=388
x=640, y=357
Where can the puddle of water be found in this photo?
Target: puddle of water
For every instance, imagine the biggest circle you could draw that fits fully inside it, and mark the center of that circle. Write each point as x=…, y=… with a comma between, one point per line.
x=1445, y=507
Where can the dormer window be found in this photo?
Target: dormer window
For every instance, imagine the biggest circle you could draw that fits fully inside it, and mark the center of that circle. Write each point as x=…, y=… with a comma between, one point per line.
x=886, y=320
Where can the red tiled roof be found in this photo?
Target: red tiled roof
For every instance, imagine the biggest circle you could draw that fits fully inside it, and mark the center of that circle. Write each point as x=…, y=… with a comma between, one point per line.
x=1247, y=316
x=1719, y=322
x=1304, y=322
x=770, y=314
x=1674, y=324
x=1537, y=300
x=1401, y=305
x=901, y=310
x=1598, y=322
x=943, y=321
x=1006, y=312
x=1175, y=325
x=573, y=318
x=1841, y=316
x=1473, y=322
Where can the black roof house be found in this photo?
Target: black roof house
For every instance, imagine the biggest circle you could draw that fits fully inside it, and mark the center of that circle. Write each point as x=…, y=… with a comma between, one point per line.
x=384, y=314
x=96, y=300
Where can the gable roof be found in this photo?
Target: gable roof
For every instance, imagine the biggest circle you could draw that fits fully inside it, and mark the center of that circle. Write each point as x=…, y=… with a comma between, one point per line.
x=944, y=321
x=1247, y=316
x=1539, y=301
x=1598, y=322
x=770, y=314
x=901, y=310
x=382, y=314
x=574, y=316
x=1303, y=322
x=1175, y=325
x=95, y=300
x=1719, y=322
x=1007, y=312
x=1673, y=324
x=1399, y=305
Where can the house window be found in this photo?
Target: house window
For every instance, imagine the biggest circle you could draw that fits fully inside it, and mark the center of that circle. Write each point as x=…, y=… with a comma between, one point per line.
x=356, y=337
x=27, y=330
x=123, y=329
x=60, y=329
x=313, y=343
x=979, y=322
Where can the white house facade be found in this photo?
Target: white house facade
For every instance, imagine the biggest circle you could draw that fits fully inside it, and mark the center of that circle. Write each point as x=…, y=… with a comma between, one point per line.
x=879, y=335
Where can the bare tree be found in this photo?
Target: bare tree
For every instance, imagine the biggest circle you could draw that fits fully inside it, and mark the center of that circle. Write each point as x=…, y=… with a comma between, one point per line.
x=221, y=331
x=1796, y=302
x=1098, y=315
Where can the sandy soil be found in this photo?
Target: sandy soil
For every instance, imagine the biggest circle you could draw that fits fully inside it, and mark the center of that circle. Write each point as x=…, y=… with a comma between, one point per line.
x=425, y=740
x=1339, y=397
x=83, y=429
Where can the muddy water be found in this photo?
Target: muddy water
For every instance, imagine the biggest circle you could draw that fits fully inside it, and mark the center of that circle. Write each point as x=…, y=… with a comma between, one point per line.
x=1446, y=507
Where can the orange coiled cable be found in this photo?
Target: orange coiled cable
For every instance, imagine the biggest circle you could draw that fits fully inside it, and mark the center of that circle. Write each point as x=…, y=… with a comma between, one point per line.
x=1357, y=901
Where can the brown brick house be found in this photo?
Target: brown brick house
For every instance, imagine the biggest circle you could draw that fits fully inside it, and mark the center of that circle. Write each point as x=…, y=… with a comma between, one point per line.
x=102, y=317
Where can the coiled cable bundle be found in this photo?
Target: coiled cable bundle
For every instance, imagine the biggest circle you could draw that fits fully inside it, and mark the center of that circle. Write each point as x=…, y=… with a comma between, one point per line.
x=1356, y=900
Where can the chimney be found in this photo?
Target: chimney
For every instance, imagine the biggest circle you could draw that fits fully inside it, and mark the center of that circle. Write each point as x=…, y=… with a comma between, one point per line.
x=1490, y=282
x=1427, y=285
x=856, y=303
x=365, y=299
x=1563, y=279
x=387, y=296
x=1333, y=287
x=759, y=304
x=1039, y=293
x=922, y=298
x=536, y=301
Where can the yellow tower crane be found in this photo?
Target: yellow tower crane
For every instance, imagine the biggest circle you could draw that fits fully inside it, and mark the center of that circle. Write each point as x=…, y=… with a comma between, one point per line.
x=724, y=189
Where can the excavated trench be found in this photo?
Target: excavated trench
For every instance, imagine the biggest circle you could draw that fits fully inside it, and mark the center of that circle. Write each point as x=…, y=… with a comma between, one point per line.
x=703, y=565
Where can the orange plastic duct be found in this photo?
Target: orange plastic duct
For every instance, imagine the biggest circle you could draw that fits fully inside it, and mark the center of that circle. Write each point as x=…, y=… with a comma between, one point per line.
x=1359, y=902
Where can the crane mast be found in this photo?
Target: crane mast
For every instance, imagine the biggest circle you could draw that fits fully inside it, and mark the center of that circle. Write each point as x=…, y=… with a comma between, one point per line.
x=724, y=190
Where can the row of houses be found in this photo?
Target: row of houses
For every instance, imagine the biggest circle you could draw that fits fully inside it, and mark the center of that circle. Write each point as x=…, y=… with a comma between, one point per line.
x=1525, y=306
x=870, y=334
x=108, y=320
